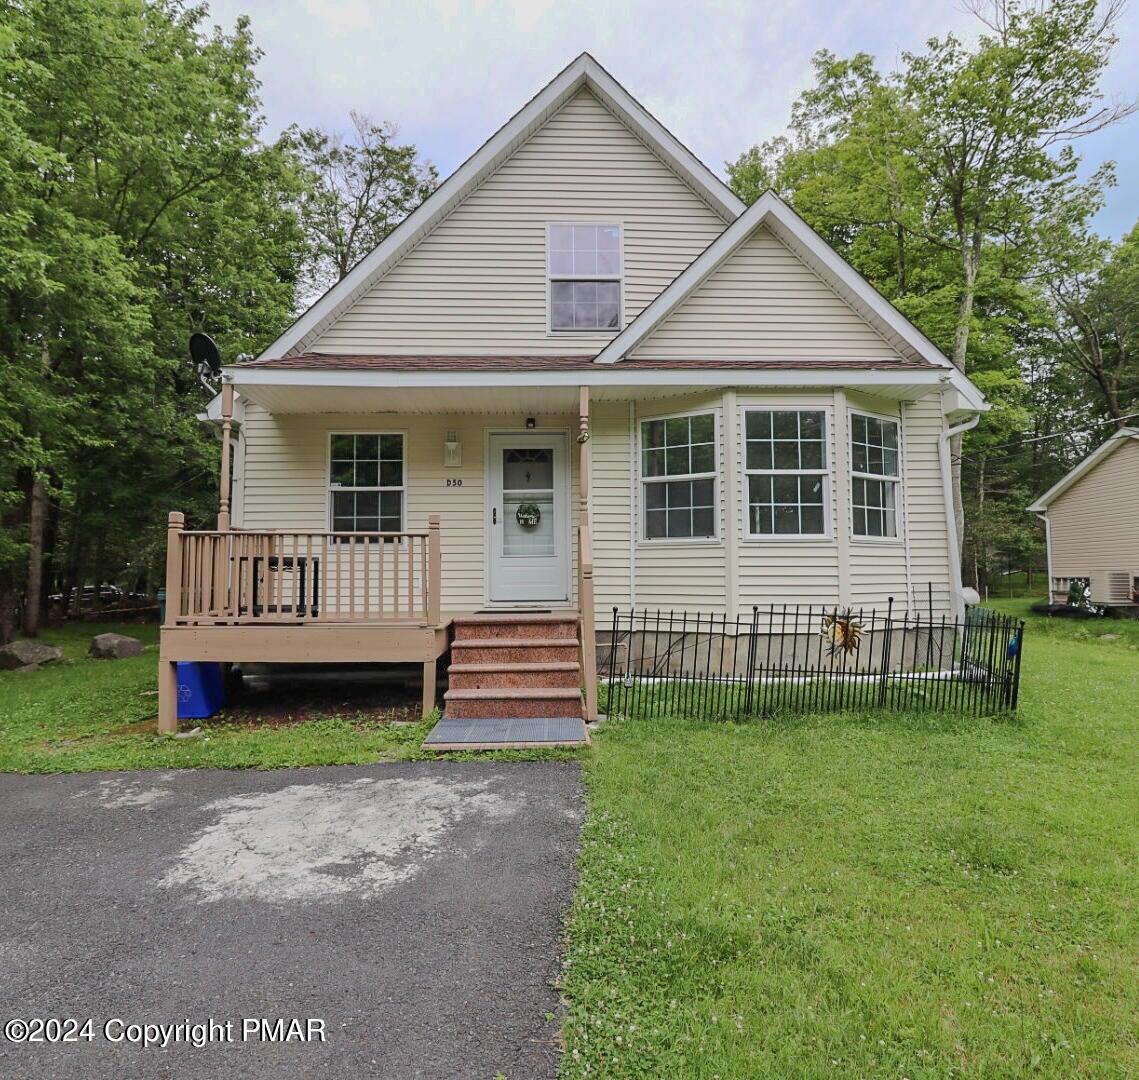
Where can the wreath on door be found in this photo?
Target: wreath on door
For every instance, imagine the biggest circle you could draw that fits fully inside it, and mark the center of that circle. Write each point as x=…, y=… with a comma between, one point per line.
x=528, y=515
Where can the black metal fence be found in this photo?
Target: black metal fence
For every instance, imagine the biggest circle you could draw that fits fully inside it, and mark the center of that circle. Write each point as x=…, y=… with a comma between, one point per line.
x=801, y=659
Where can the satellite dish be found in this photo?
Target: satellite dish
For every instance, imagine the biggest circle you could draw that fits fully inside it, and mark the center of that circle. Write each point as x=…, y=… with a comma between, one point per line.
x=205, y=355
x=207, y=360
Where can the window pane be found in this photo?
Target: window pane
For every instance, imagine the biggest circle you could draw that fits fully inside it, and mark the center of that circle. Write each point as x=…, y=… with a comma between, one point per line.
x=653, y=463
x=343, y=510
x=367, y=504
x=654, y=496
x=652, y=433
x=812, y=519
x=703, y=428
x=342, y=447
x=656, y=524
x=561, y=292
x=858, y=459
x=786, y=455
x=391, y=447
x=561, y=238
x=342, y=473
x=704, y=458
x=608, y=315
x=391, y=473
x=785, y=424
x=703, y=521
x=584, y=292
x=811, y=425
x=367, y=447
x=811, y=455
x=561, y=317
x=676, y=461
x=584, y=238
x=786, y=520
x=703, y=492
x=759, y=455
x=585, y=262
x=367, y=473
x=758, y=425
x=608, y=262
x=391, y=511
x=676, y=431
x=786, y=489
x=608, y=238
x=561, y=262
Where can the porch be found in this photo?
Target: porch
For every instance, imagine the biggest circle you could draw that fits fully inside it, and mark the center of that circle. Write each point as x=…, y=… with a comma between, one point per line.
x=285, y=596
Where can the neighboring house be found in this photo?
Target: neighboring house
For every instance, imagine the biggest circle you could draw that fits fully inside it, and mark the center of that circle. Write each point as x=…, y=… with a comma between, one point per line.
x=1091, y=518
x=582, y=375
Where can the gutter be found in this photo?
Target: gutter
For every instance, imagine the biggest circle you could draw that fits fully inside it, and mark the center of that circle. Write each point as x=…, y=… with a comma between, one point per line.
x=950, y=517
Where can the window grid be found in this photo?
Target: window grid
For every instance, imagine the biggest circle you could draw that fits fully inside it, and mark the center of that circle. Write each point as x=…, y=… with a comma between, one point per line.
x=786, y=471
x=678, y=478
x=874, y=470
x=584, y=274
x=366, y=480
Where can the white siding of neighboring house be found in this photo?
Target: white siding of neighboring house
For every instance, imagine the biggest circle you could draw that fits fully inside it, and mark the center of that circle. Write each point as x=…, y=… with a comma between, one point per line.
x=477, y=282
x=1094, y=525
x=763, y=302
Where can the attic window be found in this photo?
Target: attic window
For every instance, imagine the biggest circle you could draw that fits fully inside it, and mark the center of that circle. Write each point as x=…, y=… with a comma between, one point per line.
x=583, y=269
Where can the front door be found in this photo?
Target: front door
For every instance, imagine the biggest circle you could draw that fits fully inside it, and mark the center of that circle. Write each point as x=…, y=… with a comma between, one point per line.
x=528, y=518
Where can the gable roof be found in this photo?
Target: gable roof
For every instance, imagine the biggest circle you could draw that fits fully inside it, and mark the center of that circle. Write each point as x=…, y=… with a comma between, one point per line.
x=585, y=71
x=850, y=285
x=1083, y=468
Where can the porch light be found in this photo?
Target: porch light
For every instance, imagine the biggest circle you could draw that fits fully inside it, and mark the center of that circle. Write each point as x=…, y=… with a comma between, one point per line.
x=452, y=450
x=531, y=423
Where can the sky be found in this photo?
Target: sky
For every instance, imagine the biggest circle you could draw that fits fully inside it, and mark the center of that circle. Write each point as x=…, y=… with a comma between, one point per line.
x=720, y=75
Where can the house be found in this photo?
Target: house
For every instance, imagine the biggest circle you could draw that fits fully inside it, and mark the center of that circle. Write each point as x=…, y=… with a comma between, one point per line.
x=1091, y=521
x=581, y=376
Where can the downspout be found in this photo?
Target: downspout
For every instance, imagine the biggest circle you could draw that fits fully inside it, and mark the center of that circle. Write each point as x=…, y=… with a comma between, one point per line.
x=958, y=599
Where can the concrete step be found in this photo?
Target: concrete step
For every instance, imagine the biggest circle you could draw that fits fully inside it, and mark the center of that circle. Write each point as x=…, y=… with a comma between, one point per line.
x=493, y=650
x=513, y=703
x=517, y=625
x=498, y=675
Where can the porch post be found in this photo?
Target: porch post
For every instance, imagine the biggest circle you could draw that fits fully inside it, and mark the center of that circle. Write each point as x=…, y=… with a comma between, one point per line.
x=434, y=585
x=225, y=482
x=585, y=564
x=167, y=671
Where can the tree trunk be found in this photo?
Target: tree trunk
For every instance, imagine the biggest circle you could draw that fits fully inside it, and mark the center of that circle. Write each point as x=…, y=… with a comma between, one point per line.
x=33, y=590
x=970, y=260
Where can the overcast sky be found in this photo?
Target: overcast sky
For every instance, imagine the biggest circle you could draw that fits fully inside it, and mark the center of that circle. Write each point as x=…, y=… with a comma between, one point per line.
x=721, y=76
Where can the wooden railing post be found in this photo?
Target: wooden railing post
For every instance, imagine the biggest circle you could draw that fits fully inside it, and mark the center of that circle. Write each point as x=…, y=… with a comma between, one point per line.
x=224, y=481
x=434, y=569
x=167, y=670
x=585, y=565
x=175, y=523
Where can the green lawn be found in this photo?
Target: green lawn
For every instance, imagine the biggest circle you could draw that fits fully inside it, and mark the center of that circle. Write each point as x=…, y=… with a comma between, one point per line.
x=865, y=896
x=83, y=714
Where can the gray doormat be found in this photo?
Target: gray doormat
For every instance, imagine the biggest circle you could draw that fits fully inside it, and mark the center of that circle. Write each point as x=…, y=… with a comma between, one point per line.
x=488, y=734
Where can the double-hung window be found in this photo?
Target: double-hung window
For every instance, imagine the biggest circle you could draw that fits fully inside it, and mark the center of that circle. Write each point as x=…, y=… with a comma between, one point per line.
x=583, y=265
x=874, y=476
x=366, y=482
x=678, y=477
x=785, y=463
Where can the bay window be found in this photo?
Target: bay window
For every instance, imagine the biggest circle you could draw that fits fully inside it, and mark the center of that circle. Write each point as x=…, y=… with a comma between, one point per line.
x=678, y=477
x=874, y=469
x=785, y=466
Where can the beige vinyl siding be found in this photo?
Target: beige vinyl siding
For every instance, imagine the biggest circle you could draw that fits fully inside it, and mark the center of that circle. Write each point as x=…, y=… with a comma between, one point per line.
x=477, y=282
x=1094, y=525
x=773, y=571
x=286, y=483
x=610, y=506
x=764, y=303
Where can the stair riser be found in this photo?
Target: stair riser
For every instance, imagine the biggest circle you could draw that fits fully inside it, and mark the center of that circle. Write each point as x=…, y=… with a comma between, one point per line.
x=464, y=631
x=512, y=708
x=518, y=654
x=497, y=680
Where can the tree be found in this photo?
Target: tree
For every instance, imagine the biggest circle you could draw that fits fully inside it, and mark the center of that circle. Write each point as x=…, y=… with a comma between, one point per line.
x=934, y=179
x=146, y=208
x=355, y=192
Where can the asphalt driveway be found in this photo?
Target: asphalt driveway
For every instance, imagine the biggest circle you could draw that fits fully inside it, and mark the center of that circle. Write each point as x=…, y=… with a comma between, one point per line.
x=408, y=916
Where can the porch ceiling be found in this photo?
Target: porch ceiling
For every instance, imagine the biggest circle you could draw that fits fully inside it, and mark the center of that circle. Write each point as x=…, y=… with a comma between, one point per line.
x=544, y=400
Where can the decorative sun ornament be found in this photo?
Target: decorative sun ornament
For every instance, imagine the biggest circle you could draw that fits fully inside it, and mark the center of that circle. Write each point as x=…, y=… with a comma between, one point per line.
x=842, y=632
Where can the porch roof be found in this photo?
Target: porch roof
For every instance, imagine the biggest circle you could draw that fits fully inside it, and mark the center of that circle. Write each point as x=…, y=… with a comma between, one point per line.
x=317, y=382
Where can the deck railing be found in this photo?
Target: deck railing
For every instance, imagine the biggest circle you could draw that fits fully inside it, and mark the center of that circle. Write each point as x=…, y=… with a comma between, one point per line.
x=239, y=577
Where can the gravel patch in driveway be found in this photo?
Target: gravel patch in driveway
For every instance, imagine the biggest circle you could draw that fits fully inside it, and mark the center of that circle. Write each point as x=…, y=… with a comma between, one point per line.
x=414, y=909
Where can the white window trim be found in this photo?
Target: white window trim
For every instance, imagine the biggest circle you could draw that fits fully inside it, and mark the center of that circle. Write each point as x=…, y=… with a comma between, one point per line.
x=619, y=277
x=715, y=540
x=329, y=489
x=897, y=481
x=827, y=535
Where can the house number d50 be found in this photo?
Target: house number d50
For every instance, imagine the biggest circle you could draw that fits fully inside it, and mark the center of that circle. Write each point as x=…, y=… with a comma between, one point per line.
x=454, y=481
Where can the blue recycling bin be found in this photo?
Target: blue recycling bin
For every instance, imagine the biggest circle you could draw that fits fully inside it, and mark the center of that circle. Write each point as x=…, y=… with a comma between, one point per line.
x=201, y=689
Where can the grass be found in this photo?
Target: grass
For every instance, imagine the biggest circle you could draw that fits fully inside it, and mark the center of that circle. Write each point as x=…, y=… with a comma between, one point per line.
x=856, y=895
x=82, y=714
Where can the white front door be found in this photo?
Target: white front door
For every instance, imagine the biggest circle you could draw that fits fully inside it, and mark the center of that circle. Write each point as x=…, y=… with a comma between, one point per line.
x=527, y=518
